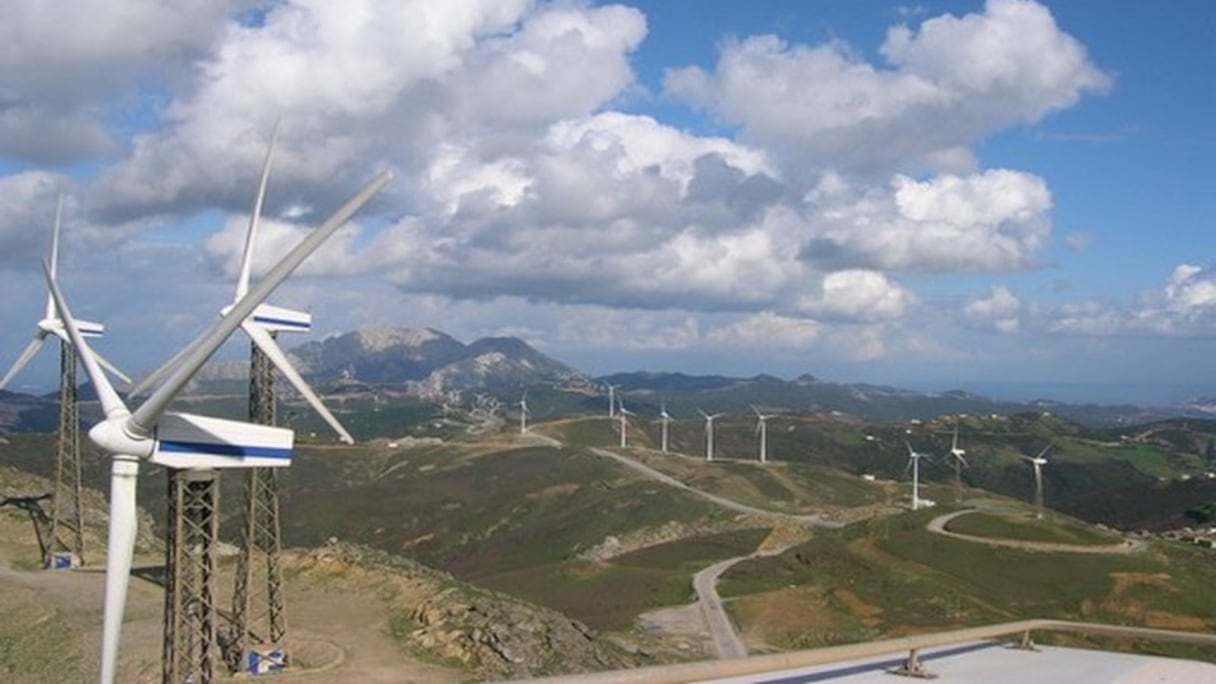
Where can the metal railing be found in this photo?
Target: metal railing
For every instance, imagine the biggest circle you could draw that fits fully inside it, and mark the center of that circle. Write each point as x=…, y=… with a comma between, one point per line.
x=912, y=645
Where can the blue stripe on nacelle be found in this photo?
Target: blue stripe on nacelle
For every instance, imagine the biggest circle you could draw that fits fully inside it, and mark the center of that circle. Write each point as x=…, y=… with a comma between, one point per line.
x=266, y=320
x=234, y=450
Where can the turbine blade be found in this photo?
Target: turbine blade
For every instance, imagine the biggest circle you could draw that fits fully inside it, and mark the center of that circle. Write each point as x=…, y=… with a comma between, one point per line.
x=1043, y=453
x=27, y=354
x=272, y=350
x=144, y=417
x=255, y=216
x=112, y=368
x=110, y=402
x=119, y=550
x=50, y=302
x=141, y=388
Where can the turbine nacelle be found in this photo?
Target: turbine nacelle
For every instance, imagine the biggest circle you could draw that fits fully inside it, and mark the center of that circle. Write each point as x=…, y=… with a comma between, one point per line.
x=277, y=319
x=54, y=326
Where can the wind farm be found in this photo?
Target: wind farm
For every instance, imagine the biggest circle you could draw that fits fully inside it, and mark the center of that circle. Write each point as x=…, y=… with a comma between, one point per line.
x=875, y=405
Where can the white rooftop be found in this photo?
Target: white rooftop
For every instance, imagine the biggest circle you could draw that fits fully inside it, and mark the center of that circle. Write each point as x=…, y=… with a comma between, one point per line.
x=991, y=662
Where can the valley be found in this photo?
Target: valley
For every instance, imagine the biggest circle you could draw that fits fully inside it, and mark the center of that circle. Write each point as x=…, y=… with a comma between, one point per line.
x=605, y=541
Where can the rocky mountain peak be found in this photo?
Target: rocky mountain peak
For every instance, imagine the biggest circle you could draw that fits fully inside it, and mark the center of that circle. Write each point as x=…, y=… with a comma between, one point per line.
x=379, y=339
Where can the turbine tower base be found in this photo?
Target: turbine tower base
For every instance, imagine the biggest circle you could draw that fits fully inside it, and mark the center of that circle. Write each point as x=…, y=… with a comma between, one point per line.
x=190, y=647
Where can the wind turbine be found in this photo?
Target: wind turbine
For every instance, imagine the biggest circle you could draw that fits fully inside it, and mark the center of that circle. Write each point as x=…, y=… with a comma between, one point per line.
x=267, y=320
x=51, y=324
x=178, y=440
x=664, y=424
x=914, y=463
x=66, y=501
x=956, y=454
x=624, y=414
x=709, y=433
x=611, y=400
x=1038, y=462
x=762, y=430
x=523, y=414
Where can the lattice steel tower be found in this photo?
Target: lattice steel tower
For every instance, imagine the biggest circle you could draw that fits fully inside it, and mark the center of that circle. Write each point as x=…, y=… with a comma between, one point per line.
x=258, y=607
x=190, y=647
x=67, y=520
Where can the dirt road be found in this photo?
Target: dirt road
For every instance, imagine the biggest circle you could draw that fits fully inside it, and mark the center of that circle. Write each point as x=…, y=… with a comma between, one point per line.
x=938, y=526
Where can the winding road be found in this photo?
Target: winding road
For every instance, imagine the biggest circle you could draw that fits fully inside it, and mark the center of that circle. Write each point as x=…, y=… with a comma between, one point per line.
x=725, y=639
x=938, y=526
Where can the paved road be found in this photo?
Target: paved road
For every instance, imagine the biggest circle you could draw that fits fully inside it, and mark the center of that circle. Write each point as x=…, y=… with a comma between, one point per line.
x=816, y=520
x=938, y=526
x=726, y=639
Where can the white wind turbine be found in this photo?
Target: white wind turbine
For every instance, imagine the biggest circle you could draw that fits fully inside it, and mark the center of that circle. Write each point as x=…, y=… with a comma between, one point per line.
x=762, y=430
x=611, y=400
x=709, y=433
x=957, y=455
x=51, y=324
x=178, y=440
x=914, y=463
x=523, y=413
x=664, y=424
x=267, y=320
x=1038, y=462
x=624, y=414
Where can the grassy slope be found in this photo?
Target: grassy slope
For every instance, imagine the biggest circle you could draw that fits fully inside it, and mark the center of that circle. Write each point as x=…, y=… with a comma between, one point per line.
x=1027, y=528
x=891, y=577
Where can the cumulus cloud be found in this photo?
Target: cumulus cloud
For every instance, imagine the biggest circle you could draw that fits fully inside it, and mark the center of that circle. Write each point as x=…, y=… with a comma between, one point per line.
x=766, y=329
x=857, y=295
x=67, y=65
x=950, y=82
x=1191, y=291
x=1000, y=311
x=518, y=178
x=27, y=213
x=1184, y=307
x=997, y=220
x=372, y=83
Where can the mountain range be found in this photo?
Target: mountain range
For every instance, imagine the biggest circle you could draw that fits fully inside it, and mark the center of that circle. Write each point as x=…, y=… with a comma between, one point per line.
x=434, y=366
x=419, y=361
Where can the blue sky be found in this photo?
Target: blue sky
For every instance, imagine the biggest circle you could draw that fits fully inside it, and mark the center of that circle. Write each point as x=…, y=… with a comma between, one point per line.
x=987, y=195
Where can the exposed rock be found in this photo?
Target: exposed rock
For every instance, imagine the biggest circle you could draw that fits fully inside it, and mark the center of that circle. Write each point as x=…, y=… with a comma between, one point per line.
x=493, y=635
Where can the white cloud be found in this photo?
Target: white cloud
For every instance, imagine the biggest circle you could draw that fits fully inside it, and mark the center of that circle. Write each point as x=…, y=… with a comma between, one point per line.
x=857, y=295
x=1191, y=291
x=951, y=82
x=993, y=221
x=67, y=66
x=1184, y=307
x=525, y=201
x=1000, y=311
x=27, y=213
x=766, y=329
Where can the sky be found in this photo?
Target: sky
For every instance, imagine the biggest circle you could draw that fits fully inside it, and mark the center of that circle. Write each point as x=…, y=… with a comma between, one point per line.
x=1006, y=196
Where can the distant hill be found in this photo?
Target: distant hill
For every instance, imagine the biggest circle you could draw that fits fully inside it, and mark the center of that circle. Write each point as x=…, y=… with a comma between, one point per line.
x=432, y=366
x=806, y=393
x=419, y=361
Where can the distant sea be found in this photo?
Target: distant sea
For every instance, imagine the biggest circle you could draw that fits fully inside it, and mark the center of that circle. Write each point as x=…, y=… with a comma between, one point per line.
x=1138, y=394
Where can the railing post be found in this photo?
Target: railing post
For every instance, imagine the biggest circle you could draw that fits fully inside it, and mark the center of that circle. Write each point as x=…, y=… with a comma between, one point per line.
x=1025, y=643
x=912, y=667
